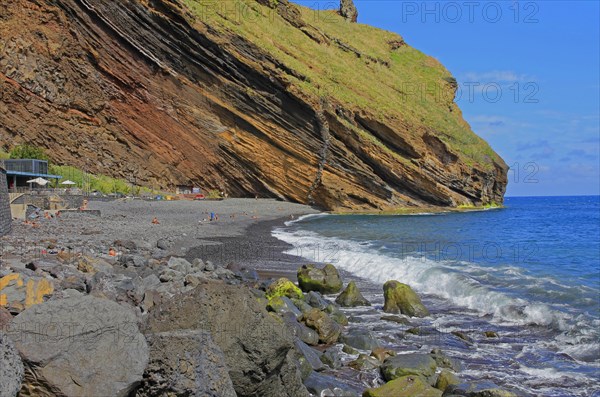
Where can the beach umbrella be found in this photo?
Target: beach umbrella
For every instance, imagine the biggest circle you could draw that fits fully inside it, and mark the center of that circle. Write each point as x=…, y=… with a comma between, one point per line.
x=68, y=182
x=39, y=181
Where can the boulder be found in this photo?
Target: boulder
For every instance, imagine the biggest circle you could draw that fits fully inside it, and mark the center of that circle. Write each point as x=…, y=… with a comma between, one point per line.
x=81, y=346
x=326, y=280
x=400, y=298
x=406, y=386
x=19, y=291
x=351, y=297
x=329, y=331
x=284, y=287
x=332, y=358
x=408, y=364
x=360, y=339
x=348, y=10
x=326, y=385
x=316, y=300
x=258, y=347
x=186, y=362
x=282, y=305
x=11, y=368
x=310, y=355
x=443, y=361
x=364, y=363
x=381, y=353
x=301, y=331
x=445, y=379
x=336, y=314
x=485, y=389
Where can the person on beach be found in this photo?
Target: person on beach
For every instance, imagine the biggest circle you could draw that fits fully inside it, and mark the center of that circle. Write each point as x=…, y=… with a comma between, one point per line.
x=155, y=221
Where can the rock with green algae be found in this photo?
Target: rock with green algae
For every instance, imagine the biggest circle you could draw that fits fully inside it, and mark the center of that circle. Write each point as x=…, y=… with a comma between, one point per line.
x=351, y=297
x=408, y=364
x=284, y=287
x=336, y=315
x=484, y=389
x=326, y=280
x=406, y=386
x=329, y=331
x=445, y=379
x=400, y=298
x=282, y=305
x=364, y=363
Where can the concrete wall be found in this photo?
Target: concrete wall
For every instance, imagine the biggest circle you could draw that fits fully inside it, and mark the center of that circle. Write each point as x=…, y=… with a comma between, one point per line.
x=5, y=216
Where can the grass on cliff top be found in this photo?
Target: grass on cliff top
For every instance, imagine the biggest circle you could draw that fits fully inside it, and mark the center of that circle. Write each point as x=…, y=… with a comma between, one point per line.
x=400, y=85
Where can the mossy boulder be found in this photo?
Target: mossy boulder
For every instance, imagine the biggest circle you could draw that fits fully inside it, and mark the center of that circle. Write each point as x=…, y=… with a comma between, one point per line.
x=326, y=280
x=329, y=331
x=351, y=297
x=406, y=386
x=284, y=287
x=400, y=298
x=408, y=364
x=484, y=389
x=364, y=363
x=445, y=379
x=336, y=314
x=282, y=305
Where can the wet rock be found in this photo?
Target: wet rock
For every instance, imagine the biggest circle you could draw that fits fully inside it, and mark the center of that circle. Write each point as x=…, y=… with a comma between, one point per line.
x=408, y=364
x=282, y=305
x=332, y=358
x=312, y=356
x=284, y=287
x=185, y=362
x=443, y=361
x=400, y=298
x=351, y=297
x=349, y=349
x=258, y=348
x=302, y=305
x=325, y=385
x=445, y=379
x=348, y=10
x=336, y=314
x=316, y=300
x=329, y=331
x=406, y=386
x=364, y=362
x=485, y=389
x=397, y=320
x=326, y=280
x=11, y=368
x=80, y=346
x=301, y=331
x=360, y=339
x=462, y=335
x=381, y=353
x=490, y=334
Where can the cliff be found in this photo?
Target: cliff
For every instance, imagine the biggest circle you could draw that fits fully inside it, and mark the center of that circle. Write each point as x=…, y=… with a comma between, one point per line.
x=254, y=97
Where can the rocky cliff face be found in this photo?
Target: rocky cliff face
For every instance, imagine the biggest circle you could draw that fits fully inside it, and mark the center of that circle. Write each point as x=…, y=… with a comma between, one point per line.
x=251, y=97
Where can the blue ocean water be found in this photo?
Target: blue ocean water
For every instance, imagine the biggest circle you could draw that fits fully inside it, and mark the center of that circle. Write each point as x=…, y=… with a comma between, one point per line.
x=531, y=270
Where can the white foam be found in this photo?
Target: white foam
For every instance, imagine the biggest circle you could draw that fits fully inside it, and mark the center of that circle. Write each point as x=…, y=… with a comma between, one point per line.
x=425, y=275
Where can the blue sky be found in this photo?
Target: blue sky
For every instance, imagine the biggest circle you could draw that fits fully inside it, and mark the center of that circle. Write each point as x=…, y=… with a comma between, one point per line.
x=541, y=56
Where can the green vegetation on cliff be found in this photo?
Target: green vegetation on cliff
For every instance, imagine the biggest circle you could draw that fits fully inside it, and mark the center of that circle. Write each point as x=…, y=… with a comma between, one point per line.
x=356, y=65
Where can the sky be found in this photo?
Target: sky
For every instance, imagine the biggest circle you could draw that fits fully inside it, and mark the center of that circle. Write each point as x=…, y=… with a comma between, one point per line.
x=530, y=79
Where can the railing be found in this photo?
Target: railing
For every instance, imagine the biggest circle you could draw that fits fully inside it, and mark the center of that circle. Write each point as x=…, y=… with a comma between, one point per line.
x=46, y=191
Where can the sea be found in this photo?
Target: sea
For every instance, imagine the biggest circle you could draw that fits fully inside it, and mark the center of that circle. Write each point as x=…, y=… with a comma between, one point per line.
x=529, y=272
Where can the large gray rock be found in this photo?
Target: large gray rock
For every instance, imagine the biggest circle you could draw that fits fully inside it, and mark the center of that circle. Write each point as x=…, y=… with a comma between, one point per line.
x=329, y=331
x=326, y=280
x=352, y=297
x=326, y=385
x=360, y=339
x=11, y=368
x=408, y=364
x=257, y=347
x=400, y=298
x=185, y=363
x=82, y=346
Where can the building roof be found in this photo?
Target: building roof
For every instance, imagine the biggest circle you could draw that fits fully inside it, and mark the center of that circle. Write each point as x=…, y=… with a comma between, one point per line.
x=33, y=174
